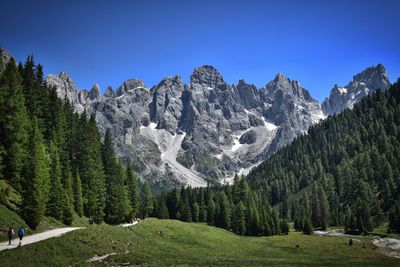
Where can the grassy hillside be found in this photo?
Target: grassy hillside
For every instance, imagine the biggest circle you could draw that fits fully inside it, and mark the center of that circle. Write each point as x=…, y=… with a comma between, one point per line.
x=195, y=245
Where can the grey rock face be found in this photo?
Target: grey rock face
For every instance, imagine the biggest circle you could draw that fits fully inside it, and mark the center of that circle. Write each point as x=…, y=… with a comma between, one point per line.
x=129, y=85
x=109, y=92
x=208, y=129
x=248, y=95
x=94, y=93
x=166, y=107
x=364, y=83
x=248, y=137
x=291, y=107
x=5, y=56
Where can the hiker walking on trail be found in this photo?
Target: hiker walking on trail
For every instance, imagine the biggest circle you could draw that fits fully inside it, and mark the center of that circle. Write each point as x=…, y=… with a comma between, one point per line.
x=10, y=235
x=21, y=233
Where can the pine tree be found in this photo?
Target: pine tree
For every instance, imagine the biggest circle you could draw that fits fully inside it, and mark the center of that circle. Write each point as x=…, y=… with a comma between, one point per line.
x=31, y=90
x=394, y=219
x=202, y=212
x=240, y=218
x=225, y=211
x=307, y=226
x=91, y=170
x=116, y=209
x=132, y=190
x=2, y=154
x=14, y=124
x=68, y=205
x=298, y=224
x=77, y=188
x=184, y=207
x=146, y=205
x=316, y=212
x=210, y=211
x=195, y=212
x=55, y=202
x=325, y=212
x=161, y=210
x=284, y=227
x=172, y=201
x=35, y=183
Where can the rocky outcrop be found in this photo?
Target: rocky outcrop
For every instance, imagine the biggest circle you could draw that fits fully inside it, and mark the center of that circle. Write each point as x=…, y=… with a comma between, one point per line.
x=207, y=129
x=364, y=83
x=166, y=105
x=5, y=58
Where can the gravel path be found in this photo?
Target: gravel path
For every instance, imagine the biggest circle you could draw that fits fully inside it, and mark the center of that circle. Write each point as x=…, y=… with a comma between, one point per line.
x=388, y=246
x=37, y=237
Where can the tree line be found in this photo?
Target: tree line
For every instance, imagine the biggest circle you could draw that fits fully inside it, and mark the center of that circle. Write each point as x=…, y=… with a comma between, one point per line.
x=236, y=208
x=54, y=157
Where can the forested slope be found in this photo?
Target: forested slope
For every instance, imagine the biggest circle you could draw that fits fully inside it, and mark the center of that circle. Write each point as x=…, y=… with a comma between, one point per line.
x=345, y=171
x=54, y=158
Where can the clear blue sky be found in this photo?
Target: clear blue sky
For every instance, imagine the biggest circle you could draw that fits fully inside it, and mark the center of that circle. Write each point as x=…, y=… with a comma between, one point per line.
x=318, y=43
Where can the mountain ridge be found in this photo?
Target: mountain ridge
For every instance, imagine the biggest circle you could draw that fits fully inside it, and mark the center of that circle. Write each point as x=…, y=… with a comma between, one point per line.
x=225, y=128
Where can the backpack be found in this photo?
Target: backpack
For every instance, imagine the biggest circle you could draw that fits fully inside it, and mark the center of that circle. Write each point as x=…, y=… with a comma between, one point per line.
x=21, y=232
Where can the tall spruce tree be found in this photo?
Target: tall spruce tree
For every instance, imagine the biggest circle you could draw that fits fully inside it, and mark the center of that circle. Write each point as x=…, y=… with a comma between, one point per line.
x=225, y=211
x=68, y=204
x=240, y=222
x=394, y=219
x=56, y=200
x=77, y=193
x=91, y=170
x=116, y=208
x=146, y=203
x=36, y=179
x=210, y=211
x=132, y=190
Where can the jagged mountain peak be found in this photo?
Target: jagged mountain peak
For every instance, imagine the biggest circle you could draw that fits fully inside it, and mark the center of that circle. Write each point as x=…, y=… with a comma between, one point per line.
x=379, y=69
x=94, y=93
x=280, y=77
x=175, y=80
x=369, y=80
x=109, y=92
x=207, y=75
x=248, y=94
x=374, y=77
x=128, y=85
x=286, y=86
x=66, y=88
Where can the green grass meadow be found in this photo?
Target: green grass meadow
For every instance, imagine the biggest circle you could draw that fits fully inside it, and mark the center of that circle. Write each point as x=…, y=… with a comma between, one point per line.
x=193, y=244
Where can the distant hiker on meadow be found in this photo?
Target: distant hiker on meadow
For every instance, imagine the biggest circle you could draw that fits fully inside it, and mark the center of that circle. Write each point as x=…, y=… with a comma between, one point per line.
x=21, y=233
x=10, y=235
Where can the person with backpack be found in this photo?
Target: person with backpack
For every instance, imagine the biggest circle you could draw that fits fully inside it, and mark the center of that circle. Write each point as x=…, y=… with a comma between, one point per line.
x=21, y=233
x=10, y=235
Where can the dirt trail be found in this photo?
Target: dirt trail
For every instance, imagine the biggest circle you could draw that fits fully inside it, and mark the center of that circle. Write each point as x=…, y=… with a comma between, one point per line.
x=388, y=246
x=37, y=237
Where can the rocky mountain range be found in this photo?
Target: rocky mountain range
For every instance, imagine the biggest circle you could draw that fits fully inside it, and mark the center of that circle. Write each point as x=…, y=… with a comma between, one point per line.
x=364, y=83
x=208, y=130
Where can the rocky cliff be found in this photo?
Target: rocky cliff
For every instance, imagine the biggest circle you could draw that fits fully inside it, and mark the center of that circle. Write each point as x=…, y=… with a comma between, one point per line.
x=364, y=83
x=208, y=130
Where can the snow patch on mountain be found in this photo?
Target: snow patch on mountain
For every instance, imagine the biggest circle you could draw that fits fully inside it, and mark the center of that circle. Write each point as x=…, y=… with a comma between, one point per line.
x=169, y=146
x=342, y=90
